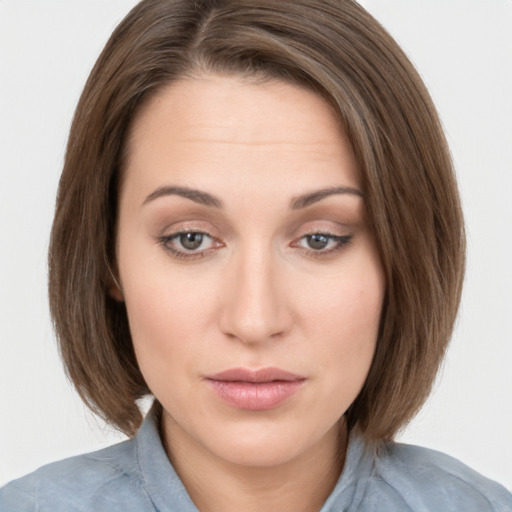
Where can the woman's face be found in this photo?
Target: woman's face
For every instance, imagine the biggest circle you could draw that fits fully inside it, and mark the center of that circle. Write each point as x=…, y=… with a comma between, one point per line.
x=251, y=279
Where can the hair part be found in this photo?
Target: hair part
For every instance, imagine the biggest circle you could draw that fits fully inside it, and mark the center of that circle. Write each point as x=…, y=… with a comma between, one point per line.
x=334, y=48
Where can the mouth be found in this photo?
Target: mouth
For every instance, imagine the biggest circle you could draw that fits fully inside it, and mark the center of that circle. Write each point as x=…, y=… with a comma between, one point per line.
x=255, y=390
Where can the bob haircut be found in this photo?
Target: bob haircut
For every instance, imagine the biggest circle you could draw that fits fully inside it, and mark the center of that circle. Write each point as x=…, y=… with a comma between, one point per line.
x=334, y=48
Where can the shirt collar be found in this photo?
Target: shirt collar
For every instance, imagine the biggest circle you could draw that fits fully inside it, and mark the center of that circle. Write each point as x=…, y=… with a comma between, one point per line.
x=168, y=493
x=355, y=477
x=161, y=481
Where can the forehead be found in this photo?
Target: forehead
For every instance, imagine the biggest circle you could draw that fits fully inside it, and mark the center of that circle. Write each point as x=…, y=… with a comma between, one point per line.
x=243, y=107
x=215, y=125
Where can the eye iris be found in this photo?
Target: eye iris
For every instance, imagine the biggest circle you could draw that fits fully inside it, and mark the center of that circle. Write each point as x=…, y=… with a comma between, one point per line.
x=191, y=241
x=318, y=241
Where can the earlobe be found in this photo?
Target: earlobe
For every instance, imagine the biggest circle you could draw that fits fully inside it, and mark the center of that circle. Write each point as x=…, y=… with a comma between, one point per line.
x=116, y=293
x=114, y=289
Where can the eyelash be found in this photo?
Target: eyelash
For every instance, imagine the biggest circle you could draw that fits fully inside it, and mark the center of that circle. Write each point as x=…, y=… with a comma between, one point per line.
x=341, y=242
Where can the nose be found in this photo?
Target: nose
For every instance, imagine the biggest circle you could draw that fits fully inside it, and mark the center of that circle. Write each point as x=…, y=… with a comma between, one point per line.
x=255, y=308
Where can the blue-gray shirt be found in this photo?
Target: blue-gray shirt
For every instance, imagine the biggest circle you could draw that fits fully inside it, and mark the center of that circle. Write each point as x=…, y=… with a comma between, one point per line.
x=136, y=476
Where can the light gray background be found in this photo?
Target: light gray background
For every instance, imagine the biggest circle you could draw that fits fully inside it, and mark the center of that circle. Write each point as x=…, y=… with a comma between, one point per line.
x=462, y=48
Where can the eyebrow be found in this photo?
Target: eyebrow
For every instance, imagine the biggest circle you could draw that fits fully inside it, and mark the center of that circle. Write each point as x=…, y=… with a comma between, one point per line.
x=189, y=193
x=305, y=200
x=210, y=200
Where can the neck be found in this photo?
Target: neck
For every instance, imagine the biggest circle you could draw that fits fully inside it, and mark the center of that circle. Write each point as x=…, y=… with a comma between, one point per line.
x=218, y=485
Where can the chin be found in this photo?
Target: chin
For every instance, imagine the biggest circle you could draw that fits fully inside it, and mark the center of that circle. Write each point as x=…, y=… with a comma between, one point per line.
x=270, y=443
x=260, y=453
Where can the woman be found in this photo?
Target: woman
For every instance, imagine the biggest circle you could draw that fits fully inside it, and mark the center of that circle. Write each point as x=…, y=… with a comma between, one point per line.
x=258, y=224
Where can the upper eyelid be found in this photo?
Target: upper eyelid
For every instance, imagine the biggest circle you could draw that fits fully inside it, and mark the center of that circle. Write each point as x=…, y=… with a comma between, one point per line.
x=320, y=230
x=188, y=227
x=227, y=233
x=223, y=227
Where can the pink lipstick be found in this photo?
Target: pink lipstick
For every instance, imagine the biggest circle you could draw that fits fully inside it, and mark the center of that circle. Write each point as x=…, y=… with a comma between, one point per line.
x=255, y=390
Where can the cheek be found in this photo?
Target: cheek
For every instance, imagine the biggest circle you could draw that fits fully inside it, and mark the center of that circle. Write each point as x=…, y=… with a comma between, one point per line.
x=164, y=336
x=342, y=320
x=159, y=297
x=167, y=313
x=347, y=305
x=165, y=316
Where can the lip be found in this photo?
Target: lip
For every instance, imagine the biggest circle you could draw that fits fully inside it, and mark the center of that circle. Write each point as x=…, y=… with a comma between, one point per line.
x=255, y=390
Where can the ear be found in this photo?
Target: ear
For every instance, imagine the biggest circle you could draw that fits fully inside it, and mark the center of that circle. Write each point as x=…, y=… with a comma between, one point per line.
x=115, y=292
x=114, y=289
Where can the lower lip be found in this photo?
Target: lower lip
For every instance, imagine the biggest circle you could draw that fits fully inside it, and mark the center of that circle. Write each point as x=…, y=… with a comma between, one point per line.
x=255, y=396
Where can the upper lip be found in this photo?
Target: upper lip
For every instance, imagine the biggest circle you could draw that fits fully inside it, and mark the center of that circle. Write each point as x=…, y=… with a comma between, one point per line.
x=269, y=374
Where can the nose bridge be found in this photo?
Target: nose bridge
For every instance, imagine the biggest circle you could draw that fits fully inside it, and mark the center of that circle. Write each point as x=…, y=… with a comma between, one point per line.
x=255, y=308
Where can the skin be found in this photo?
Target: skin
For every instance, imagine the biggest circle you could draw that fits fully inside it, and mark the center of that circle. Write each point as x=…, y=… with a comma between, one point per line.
x=257, y=292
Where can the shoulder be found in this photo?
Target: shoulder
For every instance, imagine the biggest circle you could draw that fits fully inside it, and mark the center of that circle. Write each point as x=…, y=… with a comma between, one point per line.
x=423, y=479
x=85, y=482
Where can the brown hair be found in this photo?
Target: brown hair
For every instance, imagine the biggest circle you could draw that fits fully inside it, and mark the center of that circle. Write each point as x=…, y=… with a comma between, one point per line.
x=334, y=48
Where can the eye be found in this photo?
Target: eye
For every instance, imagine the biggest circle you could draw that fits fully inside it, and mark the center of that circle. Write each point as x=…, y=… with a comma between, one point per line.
x=323, y=242
x=317, y=241
x=187, y=243
x=191, y=241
